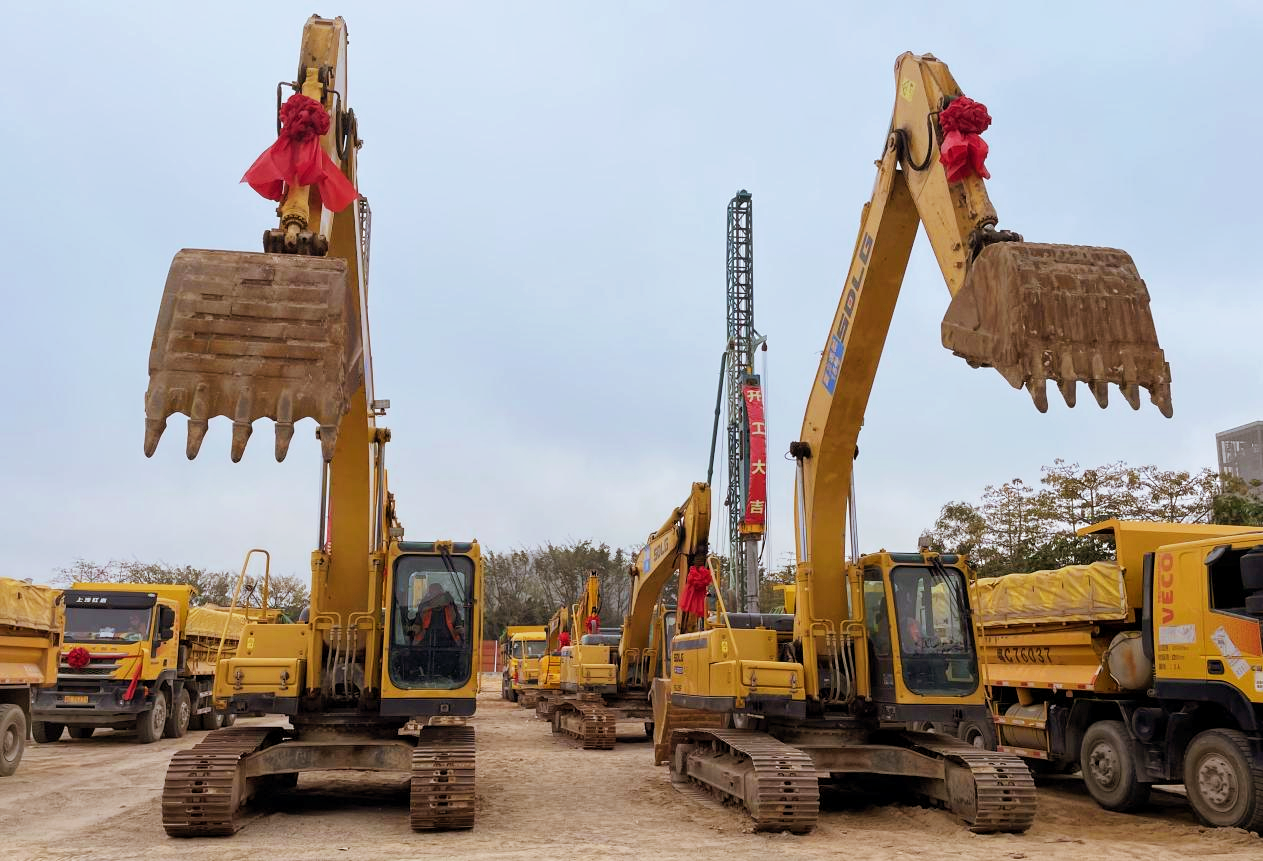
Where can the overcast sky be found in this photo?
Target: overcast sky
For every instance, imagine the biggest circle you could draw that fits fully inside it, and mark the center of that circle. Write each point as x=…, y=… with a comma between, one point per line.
x=548, y=184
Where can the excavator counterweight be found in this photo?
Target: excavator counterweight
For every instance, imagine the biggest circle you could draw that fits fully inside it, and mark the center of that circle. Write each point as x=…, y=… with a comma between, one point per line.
x=1065, y=313
x=249, y=335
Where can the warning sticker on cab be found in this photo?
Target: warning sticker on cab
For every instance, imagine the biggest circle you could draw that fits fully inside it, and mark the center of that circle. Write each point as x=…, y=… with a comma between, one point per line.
x=1176, y=635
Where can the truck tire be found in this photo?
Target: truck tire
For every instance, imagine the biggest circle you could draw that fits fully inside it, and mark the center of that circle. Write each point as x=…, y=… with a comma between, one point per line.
x=211, y=720
x=1224, y=787
x=978, y=732
x=150, y=724
x=12, y=738
x=179, y=717
x=1109, y=769
x=229, y=720
x=46, y=732
x=81, y=731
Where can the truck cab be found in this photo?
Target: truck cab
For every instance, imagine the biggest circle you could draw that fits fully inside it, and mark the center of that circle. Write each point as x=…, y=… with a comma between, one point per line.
x=120, y=663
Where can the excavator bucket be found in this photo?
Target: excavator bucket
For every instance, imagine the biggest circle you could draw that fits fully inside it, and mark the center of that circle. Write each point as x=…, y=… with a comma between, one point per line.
x=1063, y=313
x=248, y=336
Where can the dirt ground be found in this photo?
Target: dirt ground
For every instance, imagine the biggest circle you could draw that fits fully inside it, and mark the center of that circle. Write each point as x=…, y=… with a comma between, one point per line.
x=539, y=797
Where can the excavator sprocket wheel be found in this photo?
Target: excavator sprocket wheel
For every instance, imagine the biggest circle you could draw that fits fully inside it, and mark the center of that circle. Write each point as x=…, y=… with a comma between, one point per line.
x=1064, y=313
x=249, y=336
x=204, y=787
x=443, y=788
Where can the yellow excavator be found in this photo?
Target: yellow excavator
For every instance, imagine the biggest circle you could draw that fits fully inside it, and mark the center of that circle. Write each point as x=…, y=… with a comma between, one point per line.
x=587, y=676
x=887, y=637
x=550, y=664
x=393, y=632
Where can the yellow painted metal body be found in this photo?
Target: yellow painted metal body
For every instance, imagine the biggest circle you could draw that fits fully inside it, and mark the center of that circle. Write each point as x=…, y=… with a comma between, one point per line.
x=30, y=634
x=152, y=655
x=733, y=664
x=589, y=667
x=364, y=628
x=524, y=671
x=1189, y=631
x=680, y=542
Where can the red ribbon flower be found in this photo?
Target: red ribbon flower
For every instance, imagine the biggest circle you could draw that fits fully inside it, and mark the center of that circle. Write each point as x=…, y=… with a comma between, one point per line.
x=963, y=152
x=78, y=658
x=693, y=600
x=298, y=159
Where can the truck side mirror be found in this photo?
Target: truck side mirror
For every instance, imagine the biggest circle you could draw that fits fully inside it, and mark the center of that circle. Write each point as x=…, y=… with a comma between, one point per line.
x=166, y=623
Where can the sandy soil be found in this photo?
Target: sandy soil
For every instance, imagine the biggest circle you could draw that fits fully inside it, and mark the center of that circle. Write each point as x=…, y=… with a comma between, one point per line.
x=539, y=797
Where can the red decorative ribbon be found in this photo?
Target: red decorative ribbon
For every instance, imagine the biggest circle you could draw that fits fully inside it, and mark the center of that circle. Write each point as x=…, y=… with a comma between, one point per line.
x=963, y=152
x=78, y=658
x=693, y=598
x=298, y=159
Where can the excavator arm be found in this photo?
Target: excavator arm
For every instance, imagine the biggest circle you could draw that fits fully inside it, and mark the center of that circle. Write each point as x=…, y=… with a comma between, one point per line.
x=681, y=541
x=282, y=334
x=1034, y=312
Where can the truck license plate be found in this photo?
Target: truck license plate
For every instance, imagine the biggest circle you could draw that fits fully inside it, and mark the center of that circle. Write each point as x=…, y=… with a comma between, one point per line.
x=79, y=699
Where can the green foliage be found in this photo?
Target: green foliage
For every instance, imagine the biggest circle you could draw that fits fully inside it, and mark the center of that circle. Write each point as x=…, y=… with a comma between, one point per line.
x=1023, y=527
x=287, y=593
x=526, y=586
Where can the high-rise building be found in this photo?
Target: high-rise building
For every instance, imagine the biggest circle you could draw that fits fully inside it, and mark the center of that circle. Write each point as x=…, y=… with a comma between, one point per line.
x=1241, y=454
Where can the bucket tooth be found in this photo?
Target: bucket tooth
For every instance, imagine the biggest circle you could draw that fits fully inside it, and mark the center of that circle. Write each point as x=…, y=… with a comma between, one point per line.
x=153, y=433
x=1068, y=393
x=1131, y=394
x=1062, y=312
x=197, y=433
x=284, y=434
x=1101, y=391
x=1160, y=395
x=328, y=441
x=1038, y=389
x=240, y=436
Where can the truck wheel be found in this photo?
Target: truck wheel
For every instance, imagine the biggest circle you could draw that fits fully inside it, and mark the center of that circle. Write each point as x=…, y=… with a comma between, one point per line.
x=229, y=720
x=1226, y=791
x=149, y=726
x=12, y=738
x=177, y=725
x=1109, y=769
x=82, y=731
x=46, y=732
x=977, y=732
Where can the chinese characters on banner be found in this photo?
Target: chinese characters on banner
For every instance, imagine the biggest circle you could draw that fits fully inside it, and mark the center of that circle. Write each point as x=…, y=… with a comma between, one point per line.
x=756, y=496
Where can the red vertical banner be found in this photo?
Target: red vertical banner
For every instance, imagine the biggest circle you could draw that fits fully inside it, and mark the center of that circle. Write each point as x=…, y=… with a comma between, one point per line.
x=756, y=487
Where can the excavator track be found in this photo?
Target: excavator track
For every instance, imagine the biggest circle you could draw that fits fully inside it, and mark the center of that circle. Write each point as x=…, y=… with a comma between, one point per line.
x=597, y=727
x=545, y=706
x=785, y=793
x=442, y=796
x=204, y=788
x=1004, y=791
x=528, y=699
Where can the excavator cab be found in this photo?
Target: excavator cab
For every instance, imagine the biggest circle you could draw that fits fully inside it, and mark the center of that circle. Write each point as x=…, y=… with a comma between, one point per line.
x=919, y=632
x=432, y=619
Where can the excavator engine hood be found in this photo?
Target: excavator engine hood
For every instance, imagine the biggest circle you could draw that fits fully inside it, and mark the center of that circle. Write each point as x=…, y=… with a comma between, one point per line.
x=1064, y=313
x=247, y=336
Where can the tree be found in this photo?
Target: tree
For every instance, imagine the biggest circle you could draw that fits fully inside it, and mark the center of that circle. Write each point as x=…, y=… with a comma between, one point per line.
x=287, y=593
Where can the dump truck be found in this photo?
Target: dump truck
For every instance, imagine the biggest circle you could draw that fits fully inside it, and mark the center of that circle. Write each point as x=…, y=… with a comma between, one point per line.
x=1143, y=670
x=30, y=640
x=523, y=647
x=136, y=656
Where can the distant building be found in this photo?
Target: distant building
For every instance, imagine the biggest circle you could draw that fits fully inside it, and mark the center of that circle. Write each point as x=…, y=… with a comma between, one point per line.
x=1241, y=454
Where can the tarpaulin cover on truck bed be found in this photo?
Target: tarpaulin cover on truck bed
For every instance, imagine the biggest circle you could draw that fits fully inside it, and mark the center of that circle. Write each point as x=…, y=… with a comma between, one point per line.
x=24, y=605
x=209, y=622
x=1076, y=593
